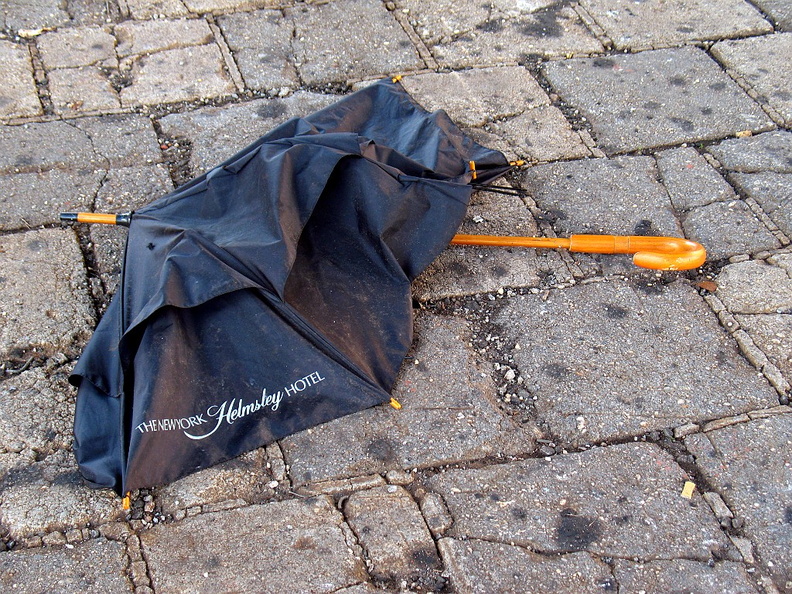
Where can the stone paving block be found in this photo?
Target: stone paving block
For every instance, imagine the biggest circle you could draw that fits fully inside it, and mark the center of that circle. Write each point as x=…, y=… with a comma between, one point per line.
x=466, y=33
x=79, y=46
x=646, y=25
x=94, y=566
x=43, y=291
x=155, y=36
x=347, y=39
x=393, y=534
x=292, y=546
x=185, y=74
x=655, y=98
x=773, y=192
x=51, y=495
x=33, y=14
x=124, y=190
x=262, y=46
x=81, y=89
x=481, y=567
x=219, y=6
x=148, y=9
x=682, y=575
x=480, y=95
x=773, y=334
x=36, y=416
x=771, y=151
x=19, y=96
x=750, y=465
x=542, y=134
x=726, y=229
x=779, y=11
x=621, y=501
x=82, y=143
x=29, y=200
x=690, y=180
x=448, y=415
x=764, y=63
x=217, y=133
x=609, y=360
x=245, y=477
x=756, y=287
x=467, y=270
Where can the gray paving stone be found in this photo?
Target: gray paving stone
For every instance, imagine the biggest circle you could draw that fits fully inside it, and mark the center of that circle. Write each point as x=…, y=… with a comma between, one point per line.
x=726, y=229
x=609, y=360
x=348, y=39
x=467, y=270
x=750, y=465
x=771, y=151
x=82, y=89
x=756, y=287
x=542, y=134
x=655, y=98
x=33, y=14
x=468, y=33
x=19, y=96
x=690, y=180
x=779, y=11
x=184, y=74
x=217, y=133
x=478, y=566
x=682, y=575
x=83, y=143
x=147, y=9
x=382, y=438
x=29, y=200
x=773, y=192
x=123, y=190
x=621, y=501
x=50, y=495
x=393, y=534
x=94, y=566
x=155, y=36
x=764, y=63
x=480, y=95
x=78, y=46
x=773, y=334
x=634, y=25
x=36, y=416
x=43, y=292
x=262, y=46
x=272, y=539
x=244, y=478
x=219, y=6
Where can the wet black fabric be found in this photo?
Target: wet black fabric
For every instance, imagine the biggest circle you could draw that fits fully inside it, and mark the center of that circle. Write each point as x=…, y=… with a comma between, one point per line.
x=273, y=293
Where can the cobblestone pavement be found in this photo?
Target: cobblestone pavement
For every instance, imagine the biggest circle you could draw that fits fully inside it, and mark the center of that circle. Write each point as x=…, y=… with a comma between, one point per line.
x=555, y=406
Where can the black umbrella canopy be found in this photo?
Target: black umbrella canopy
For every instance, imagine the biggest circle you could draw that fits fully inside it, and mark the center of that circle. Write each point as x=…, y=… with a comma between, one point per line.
x=272, y=293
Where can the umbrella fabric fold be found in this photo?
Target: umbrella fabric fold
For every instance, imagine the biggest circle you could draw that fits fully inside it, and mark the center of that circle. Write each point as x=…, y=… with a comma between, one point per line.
x=272, y=293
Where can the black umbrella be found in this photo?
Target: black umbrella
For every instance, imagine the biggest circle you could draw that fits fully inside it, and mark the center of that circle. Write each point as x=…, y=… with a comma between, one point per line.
x=272, y=293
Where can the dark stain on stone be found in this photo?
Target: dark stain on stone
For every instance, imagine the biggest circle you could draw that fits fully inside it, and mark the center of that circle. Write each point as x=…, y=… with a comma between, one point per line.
x=718, y=86
x=459, y=269
x=788, y=515
x=652, y=105
x=544, y=24
x=34, y=245
x=23, y=160
x=615, y=312
x=575, y=532
x=495, y=497
x=381, y=449
x=684, y=123
x=644, y=227
x=304, y=543
x=519, y=513
x=622, y=520
x=424, y=557
x=685, y=29
x=271, y=110
x=706, y=110
x=677, y=81
x=555, y=370
x=603, y=63
x=499, y=271
x=490, y=26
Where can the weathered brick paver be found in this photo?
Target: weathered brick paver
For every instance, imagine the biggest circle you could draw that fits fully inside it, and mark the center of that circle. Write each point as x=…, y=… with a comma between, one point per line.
x=557, y=408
